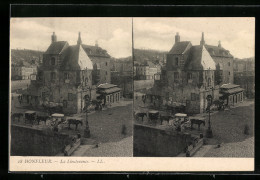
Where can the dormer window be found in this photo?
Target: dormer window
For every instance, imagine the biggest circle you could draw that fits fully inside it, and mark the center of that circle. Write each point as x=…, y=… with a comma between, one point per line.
x=53, y=61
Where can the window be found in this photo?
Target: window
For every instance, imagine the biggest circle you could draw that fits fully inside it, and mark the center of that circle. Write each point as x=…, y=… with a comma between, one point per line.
x=228, y=63
x=193, y=96
x=45, y=62
x=176, y=75
x=53, y=76
x=106, y=63
x=209, y=82
x=66, y=76
x=106, y=72
x=40, y=75
x=65, y=103
x=228, y=73
x=53, y=61
x=189, y=76
x=176, y=61
x=70, y=96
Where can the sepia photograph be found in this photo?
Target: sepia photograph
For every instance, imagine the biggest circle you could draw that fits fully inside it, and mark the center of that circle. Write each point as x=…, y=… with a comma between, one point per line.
x=194, y=87
x=71, y=87
x=117, y=94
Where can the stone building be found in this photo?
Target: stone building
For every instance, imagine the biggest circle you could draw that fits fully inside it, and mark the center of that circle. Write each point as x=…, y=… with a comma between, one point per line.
x=244, y=75
x=187, y=79
x=101, y=63
x=224, y=61
x=146, y=71
x=64, y=79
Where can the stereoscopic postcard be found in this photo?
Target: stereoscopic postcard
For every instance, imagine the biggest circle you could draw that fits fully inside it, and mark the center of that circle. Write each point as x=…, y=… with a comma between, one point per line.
x=132, y=94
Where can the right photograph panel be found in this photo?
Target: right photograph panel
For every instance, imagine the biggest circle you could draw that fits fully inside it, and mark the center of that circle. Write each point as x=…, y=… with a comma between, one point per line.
x=194, y=87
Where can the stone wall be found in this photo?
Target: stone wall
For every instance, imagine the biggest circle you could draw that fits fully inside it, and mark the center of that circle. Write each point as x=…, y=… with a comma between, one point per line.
x=28, y=141
x=153, y=142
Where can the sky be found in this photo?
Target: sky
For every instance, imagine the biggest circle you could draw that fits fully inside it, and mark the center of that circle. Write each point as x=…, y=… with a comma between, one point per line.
x=112, y=34
x=236, y=34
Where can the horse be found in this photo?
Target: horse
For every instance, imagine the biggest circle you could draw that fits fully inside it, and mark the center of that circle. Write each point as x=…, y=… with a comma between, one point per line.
x=198, y=122
x=74, y=121
x=140, y=114
x=17, y=115
x=42, y=118
x=165, y=117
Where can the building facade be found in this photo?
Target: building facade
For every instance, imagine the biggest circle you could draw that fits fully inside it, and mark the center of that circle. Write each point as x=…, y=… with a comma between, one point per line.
x=146, y=71
x=224, y=62
x=187, y=80
x=64, y=79
x=101, y=63
x=21, y=72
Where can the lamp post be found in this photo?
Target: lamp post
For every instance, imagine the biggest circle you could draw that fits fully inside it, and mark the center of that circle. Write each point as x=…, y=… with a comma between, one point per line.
x=209, y=133
x=86, y=130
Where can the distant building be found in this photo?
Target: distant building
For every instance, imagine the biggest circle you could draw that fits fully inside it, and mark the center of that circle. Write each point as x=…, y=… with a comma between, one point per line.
x=122, y=76
x=123, y=81
x=244, y=75
x=101, y=63
x=146, y=71
x=21, y=72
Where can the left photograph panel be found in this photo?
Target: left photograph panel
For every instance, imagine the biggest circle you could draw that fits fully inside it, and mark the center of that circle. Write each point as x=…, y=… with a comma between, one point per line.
x=71, y=87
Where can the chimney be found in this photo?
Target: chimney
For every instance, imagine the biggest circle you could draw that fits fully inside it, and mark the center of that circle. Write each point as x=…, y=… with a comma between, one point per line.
x=96, y=44
x=219, y=44
x=53, y=37
x=202, y=42
x=79, y=40
x=177, y=37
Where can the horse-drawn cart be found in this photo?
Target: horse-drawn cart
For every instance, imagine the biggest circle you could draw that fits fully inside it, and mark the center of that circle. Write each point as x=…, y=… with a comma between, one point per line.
x=181, y=121
x=153, y=115
x=30, y=116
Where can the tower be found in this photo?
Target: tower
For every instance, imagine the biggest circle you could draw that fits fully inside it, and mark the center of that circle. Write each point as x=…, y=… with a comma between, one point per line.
x=79, y=40
x=177, y=37
x=53, y=37
x=202, y=42
x=219, y=44
x=96, y=43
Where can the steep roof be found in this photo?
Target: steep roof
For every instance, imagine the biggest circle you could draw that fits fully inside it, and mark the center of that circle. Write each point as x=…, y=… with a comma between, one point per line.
x=95, y=51
x=75, y=58
x=229, y=86
x=180, y=47
x=106, y=86
x=57, y=47
x=218, y=51
x=199, y=59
